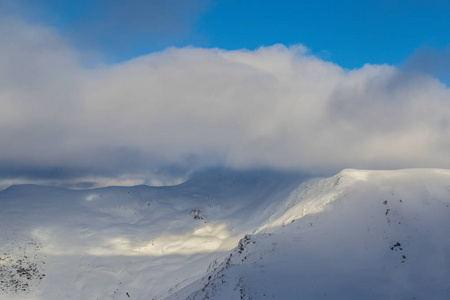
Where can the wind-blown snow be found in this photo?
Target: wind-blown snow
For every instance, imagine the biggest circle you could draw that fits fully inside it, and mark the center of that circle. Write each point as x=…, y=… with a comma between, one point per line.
x=222, y=235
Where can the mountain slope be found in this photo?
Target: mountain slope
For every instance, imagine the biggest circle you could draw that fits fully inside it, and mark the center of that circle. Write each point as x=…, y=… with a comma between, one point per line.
x=127, y=242
x=232, y=235
x=357, y=235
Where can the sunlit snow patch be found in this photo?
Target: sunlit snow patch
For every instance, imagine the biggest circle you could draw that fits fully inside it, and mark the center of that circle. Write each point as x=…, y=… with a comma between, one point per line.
x=318, y=193
x=208, y=237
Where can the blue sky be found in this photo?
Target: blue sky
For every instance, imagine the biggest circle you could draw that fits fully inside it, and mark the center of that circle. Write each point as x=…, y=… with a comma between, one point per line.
x=350, y=33
x=347, y=32
x=107, y=92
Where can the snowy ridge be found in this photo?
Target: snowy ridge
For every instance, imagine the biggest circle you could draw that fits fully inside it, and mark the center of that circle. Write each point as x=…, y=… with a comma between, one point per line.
x=356, y=235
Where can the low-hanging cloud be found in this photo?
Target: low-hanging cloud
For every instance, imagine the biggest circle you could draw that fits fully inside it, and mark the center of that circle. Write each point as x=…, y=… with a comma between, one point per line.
x=185, y=109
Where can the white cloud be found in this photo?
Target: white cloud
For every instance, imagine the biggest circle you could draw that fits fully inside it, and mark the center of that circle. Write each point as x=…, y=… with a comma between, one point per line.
x=192, y=108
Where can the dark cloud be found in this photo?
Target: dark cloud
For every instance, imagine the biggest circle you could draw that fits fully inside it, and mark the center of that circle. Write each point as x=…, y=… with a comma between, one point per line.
x=129, y=26
x=17, y=170
x=156, y=15
x=432, y=61
x=118, y=21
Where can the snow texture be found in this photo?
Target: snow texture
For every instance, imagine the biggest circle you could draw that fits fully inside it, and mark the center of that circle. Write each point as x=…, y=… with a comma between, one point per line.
x=232, y=235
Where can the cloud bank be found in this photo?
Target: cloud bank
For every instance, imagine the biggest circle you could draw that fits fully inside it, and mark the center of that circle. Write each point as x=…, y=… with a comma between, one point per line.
x=181, y=110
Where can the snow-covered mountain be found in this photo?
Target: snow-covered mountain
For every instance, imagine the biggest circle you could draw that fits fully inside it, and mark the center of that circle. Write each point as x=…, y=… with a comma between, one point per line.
x=232, y=235
x=116, y=242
